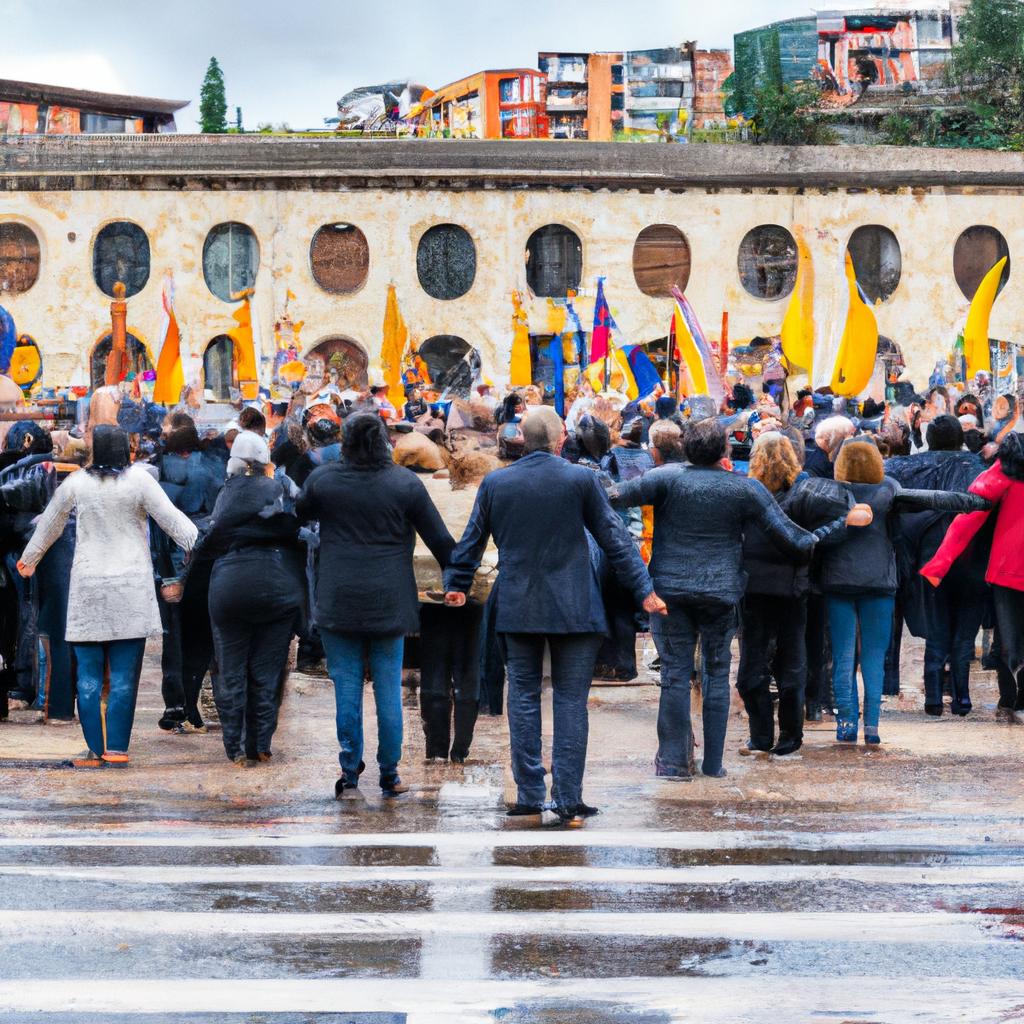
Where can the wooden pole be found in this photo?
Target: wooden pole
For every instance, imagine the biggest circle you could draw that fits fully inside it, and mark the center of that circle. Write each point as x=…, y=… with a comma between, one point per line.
x=117, y=360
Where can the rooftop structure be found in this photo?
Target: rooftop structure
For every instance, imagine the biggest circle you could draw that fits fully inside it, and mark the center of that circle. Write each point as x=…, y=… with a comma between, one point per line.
x=503, y=104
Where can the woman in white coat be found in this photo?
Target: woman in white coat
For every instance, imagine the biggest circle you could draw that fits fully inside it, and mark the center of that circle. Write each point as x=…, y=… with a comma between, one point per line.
x=112, y=604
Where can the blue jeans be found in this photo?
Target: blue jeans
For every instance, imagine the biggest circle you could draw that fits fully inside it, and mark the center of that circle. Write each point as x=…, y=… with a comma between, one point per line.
x=346, y=657
x=675, y=636
x=112, y=732
x=572, y=671
x=874, y=614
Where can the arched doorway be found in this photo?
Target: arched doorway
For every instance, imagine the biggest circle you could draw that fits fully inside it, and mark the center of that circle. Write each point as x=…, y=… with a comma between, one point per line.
x=451, y=362
x=337, y=360
x=137, y=359
x=219, y=368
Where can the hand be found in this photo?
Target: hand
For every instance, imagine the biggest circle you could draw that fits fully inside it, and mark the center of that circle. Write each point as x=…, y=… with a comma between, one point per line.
x=454, y=599
x=989, y=451
x=933, y=580
x=860, y=515
x=25, y=571
x=654, y=605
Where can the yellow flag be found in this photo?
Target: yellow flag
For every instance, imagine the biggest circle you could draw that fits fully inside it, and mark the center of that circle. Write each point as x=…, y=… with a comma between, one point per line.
x=520, y=368
x=396, y=334
x=798, y=324
x=170, y=377
x=976, y=348
x=855, y=362
x=245, y=348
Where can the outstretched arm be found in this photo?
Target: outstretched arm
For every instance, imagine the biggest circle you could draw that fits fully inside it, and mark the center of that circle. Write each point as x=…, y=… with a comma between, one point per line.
x=171, y=520
x=938, y=501
x=50, y=526
x=427, y=522
x=614, y=539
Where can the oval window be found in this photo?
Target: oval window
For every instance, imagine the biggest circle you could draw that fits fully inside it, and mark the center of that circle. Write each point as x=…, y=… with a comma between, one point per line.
x=446, y=261
x=19, y=257
x=340, y=258
x=977, y=251
x=231, y=257
x=877, y=261
x=121, y=253
x=768, y=262
x=554, y=261
x=661, y=260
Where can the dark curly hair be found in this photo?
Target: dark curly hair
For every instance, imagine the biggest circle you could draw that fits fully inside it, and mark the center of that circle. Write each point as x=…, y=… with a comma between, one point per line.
x=1011, y=455
x=364, y=443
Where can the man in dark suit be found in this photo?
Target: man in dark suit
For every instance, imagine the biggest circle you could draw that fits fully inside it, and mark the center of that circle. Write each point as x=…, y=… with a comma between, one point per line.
x=539, y=511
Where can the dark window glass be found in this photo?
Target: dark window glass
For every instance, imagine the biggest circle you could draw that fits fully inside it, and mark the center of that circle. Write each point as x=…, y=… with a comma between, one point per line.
x=554, y=264
x=446, y=261
x=121, y=253
x=104, y=124
x=138, y=359
x=451, y=363
x=231, y=257
x=661, y=260
x=340, y=258
x=19, y=257
x=877, y=261
x=976, y=252
x=768, y=261
x=219, y=367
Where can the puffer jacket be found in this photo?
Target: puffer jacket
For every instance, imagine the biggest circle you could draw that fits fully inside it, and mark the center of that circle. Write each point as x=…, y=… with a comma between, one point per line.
x=865, y=562
x=810, y=503
x=700, y=517
x=1006, y=562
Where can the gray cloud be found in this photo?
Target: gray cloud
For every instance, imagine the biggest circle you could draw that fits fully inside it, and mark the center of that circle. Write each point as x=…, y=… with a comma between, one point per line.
x=290, y=61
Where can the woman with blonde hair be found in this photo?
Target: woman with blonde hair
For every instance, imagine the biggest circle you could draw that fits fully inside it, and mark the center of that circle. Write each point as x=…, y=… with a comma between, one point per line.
x=775, y=603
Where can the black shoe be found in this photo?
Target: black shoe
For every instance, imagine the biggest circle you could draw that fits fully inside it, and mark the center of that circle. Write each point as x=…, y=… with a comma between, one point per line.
x=813, y=713
x=574, y=817
x=961, y=710
x=523, y=811
x=171, y=719
x=459, y=758
x=345, y=790
x=935, y=710
x=787, y=746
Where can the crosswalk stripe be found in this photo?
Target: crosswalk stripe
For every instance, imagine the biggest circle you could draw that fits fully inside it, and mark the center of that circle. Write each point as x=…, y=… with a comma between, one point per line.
x=897, y=927
x=754, y=874
x=729, y=1000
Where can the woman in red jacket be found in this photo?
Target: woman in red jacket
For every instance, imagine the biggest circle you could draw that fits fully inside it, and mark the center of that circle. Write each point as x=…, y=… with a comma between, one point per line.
x=1003, y=485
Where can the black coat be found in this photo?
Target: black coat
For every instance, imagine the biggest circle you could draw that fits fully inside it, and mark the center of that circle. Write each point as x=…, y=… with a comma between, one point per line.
x=865, y=562
x=818, y=464
x=539, y=511
x=810, y=503
x=369, y=519
x=700, y=517
x=918, y=534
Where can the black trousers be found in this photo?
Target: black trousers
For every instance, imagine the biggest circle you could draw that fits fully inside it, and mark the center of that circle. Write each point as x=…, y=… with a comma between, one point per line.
x=819, y=653
x=954, y=613
x=492, y=662
x=1010, y=637
x=188, y=644
x=449, y=654
x=773, y=643
x=256, y=599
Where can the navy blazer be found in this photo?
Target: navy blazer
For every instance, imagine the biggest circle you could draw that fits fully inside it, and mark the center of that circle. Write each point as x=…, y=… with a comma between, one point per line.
x=539, y=511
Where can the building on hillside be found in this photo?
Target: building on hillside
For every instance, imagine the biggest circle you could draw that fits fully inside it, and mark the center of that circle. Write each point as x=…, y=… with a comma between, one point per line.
x=27, y=108
x=586, y=94
x=508, y=104
x=640, y=94
x=875, y=55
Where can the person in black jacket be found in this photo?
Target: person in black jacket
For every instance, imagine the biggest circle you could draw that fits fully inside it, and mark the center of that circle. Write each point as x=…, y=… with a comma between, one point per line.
x=772, y=640
x=949, y=616
x=701, y=513
x=257, y=598
x=859, y=579
x=540, y=511
x=370, y=511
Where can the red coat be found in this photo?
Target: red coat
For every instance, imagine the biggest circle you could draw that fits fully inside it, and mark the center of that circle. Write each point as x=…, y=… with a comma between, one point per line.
x=1006, y=563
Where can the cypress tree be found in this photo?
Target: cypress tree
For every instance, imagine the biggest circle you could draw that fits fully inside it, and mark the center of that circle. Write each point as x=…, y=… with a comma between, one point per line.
x=213, y=105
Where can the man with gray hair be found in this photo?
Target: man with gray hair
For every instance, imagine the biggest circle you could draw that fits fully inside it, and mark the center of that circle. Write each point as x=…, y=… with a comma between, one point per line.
x=829, y=434
x=540, y=510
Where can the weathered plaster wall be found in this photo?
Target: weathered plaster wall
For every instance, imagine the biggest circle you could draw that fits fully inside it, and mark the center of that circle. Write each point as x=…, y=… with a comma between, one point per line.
x=67, y=313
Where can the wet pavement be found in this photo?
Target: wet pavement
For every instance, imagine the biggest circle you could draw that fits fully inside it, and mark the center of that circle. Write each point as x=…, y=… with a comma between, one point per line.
x=842, y=884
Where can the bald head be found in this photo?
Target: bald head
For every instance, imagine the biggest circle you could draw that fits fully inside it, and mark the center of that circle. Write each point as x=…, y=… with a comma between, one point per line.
x=543, y=429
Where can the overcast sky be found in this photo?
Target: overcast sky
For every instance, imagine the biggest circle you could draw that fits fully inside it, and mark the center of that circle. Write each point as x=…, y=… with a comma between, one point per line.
x=290, y=60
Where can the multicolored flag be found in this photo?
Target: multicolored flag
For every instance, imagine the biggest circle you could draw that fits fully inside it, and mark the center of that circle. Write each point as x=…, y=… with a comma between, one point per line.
x=600, y=337
x=688, y=344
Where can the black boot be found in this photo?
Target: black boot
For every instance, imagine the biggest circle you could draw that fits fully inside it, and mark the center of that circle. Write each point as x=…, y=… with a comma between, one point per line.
x=436, y=715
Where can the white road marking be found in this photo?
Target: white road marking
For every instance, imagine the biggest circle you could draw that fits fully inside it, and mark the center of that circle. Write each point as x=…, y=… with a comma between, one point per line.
x=731, y=1000
x=714, y=874
x=760, y=926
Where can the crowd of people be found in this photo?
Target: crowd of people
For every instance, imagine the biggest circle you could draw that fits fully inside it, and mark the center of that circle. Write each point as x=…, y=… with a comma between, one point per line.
x=814, y=530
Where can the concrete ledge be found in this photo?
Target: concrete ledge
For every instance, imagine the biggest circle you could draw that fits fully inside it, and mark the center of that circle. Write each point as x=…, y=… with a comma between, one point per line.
x=31, y=163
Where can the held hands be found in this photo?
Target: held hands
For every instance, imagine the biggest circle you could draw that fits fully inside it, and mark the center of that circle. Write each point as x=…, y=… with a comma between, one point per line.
x=25, y=571
x=933, y=580
x=860, y=515
x=454, y=599
x=654, y=605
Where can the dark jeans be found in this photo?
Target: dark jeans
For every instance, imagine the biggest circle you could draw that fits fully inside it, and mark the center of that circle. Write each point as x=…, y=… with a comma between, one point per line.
x=954, y=617
x=1010, y=631
x=109, y=732
x=255, y=602
x=449, y=651
x=188, y=644
x=772, y=642
x=618, y=650
x=891, y=679
x=873, y=615
x=492, y=662
x=572, y=671
x=819, y=653
x=675, y=636
x=52, y=575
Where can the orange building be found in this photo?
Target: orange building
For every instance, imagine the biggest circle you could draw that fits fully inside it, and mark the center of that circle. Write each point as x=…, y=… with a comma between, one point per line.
x=509, y=104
